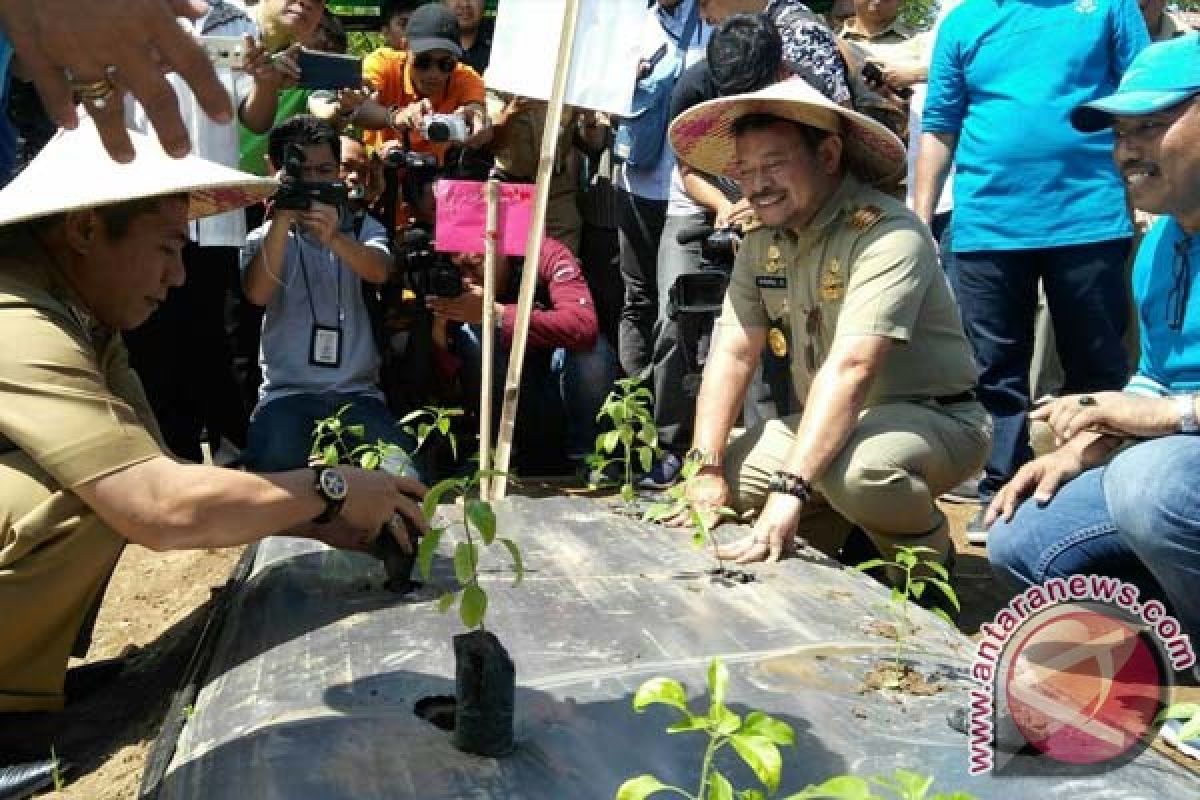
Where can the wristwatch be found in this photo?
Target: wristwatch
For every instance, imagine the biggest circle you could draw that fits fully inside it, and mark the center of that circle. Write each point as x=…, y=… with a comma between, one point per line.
x=702, y=457
x=1188, y=421
x=790, y=483
x=330, y=483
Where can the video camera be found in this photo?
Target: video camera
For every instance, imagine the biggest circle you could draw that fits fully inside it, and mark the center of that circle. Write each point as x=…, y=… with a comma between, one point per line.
x=429, y=273
x=701, y=291
x=295, y=194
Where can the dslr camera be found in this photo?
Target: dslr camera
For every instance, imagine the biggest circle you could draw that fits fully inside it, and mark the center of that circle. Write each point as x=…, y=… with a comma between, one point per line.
x=295, y=194
x=702, y=291
x=429, y=273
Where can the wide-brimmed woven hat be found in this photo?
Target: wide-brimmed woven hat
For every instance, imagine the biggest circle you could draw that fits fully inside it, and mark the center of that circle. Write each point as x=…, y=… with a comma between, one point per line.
x=703, y=135
x=74, y=172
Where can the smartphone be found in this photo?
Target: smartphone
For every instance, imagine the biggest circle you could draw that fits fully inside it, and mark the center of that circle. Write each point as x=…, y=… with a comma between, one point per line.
x=328, y=70
x=228, y=52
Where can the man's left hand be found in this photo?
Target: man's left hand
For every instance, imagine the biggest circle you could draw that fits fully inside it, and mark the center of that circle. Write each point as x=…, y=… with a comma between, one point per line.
x=1109, y=412
x=467, y=307
x=774, y=532
x=321, y=222
x=479, y=126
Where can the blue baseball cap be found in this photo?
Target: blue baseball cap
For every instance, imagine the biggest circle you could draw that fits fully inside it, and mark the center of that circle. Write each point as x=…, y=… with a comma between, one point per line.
x=1163, y=75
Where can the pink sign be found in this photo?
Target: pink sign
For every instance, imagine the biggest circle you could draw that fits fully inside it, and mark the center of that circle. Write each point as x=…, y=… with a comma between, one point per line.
x=462, y=216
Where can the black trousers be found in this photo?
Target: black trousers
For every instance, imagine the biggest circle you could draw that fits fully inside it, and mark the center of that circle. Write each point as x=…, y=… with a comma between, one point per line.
x=640, y=224
x=182, y=355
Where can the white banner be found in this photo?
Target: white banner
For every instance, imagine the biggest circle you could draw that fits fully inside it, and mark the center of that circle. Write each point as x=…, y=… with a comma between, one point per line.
x=603, y=63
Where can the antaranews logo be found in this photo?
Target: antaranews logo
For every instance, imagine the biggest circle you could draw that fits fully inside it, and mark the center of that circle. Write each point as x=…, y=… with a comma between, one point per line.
x=1072, y=675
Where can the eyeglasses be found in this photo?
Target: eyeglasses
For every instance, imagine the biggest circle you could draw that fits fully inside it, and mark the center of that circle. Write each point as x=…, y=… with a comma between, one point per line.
x=445, y=64
x=1181, y=284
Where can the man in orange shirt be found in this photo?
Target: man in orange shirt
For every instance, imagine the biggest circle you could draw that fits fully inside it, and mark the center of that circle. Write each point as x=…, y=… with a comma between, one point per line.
x=426, y=79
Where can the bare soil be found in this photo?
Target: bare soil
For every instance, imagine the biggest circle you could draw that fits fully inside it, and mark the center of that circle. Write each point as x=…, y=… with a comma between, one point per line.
x=153, y=613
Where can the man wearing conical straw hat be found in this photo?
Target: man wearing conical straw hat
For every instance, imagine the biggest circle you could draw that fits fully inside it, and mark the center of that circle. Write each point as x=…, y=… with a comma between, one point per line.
x=842, y=286
x=89, y=248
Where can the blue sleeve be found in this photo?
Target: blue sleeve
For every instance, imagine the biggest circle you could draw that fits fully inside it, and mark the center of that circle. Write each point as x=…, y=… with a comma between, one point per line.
x=1143, y=270
x=1130, y=36
x=946, y=98
x=374, y=235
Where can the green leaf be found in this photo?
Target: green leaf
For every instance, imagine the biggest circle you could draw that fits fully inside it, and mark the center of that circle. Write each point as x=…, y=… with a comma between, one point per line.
x=912, y=785
x=648, y=433
x=466, y=561
x=937, y=569
x=518, y=564
x=426, y=549
x=640, y=787
x=473, y=606
x=719, y=787
x=1190, y=729
x=358, y=431
x=906, y=557
x=941, y=612
x=718, y=683
x=947, y=590
x=445, y=601
x=1178, y=711
x=480, y=515
x=646, y=457
x=725, y=721
x=443, y=426
x=661, y=690
x=762, y=756
x=871, y=564
x=897, y=596
x=628, y=493
x=369, y=460
x=759, y=724
x=751, y=794
x=688, y=724
x=659, y=511
x=916, y=589
x=413, y=415
x=331, y=456
x=843, y=787
x=434, y=496
x=698, y=538
x=609, y=441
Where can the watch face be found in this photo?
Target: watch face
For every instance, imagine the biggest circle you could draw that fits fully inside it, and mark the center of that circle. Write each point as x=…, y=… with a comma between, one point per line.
x=333, y=484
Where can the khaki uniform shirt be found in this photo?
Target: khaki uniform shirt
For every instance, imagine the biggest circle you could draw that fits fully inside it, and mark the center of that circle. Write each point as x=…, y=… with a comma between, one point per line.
x=517, y=146
x=865, y=265
x=892, y=44
x=71, y=411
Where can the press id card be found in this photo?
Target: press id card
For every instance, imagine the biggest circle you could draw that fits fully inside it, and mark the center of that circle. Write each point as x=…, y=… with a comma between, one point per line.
x=326, y=347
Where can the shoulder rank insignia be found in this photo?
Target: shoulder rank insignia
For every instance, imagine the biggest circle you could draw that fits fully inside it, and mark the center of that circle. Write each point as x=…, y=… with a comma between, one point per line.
x=777, y=342
x=864, y=217
x=833, y=283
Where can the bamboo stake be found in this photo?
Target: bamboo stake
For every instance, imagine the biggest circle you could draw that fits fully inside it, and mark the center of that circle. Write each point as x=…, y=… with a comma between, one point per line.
x=491, y=247
x=533, y=247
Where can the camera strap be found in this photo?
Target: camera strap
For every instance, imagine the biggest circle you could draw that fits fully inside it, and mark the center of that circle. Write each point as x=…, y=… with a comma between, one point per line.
x=325, y=342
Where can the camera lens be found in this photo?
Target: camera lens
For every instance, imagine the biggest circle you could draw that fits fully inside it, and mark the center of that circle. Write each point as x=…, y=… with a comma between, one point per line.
x=438, y=132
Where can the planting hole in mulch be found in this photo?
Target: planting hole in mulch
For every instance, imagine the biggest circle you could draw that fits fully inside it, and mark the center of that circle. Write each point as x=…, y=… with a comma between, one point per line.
x=727, y=576
x=903, y=678
x=438, y=710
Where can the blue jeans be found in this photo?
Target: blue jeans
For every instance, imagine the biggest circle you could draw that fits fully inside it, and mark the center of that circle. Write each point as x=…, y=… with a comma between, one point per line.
x=1137, y=519
x=561, y=390
x=997, y=293
x=281, y=432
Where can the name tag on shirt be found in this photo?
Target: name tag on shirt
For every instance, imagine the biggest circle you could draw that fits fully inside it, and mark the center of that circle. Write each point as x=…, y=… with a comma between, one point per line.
x=770, y=281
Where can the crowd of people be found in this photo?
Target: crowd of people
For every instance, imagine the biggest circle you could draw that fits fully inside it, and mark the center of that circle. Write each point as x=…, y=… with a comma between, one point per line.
x=847, y=254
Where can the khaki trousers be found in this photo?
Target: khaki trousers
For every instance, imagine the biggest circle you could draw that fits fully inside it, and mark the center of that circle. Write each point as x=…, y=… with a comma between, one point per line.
x=55, y=561
x=886, y=479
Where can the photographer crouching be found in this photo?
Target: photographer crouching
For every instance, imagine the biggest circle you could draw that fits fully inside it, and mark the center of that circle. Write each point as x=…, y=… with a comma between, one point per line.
x=307, y=265
x=569, y=367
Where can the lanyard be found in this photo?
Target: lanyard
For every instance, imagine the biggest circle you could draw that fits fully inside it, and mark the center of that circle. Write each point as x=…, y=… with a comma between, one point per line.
x=341, y=316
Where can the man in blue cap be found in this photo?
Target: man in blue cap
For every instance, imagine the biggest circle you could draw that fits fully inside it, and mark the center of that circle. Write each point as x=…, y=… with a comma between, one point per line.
x=1120, y=496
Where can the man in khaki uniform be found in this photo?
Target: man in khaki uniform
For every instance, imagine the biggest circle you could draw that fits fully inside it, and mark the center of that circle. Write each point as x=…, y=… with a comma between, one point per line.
x=842, y=281
x=82, y=470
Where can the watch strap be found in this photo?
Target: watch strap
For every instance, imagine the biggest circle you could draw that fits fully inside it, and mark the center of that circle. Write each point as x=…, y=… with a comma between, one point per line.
x=783, y=482
x=702, y=457
x=333, y=505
